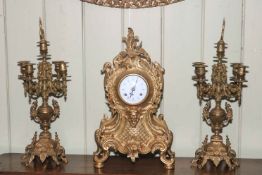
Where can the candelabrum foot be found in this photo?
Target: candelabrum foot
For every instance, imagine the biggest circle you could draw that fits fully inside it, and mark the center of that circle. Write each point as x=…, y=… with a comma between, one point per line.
x=44, y=149
x=215, y=151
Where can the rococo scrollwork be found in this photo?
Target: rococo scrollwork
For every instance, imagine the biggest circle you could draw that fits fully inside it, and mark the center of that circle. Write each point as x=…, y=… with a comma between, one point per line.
x=43, y=86
x=131, y=3
x=133, y=129
x=217, y=117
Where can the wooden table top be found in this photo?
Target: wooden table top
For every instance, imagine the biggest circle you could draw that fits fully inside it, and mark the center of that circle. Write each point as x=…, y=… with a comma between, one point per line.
x=83, y=164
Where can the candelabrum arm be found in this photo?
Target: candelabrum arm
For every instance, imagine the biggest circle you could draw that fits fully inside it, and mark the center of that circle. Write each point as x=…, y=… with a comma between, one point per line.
x=234, y=90
x=201, y=85
x=31, y=89
x=229, y=114
x=60, y=88
x=203, y=91
x=33, y=112
x=238, y=79
x=60, y=82
x=206, y=113
x=56, y=110
x=27, y=75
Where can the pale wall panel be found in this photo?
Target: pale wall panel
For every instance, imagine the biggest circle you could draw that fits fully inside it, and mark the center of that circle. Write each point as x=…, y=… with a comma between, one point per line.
x=23, y=33
x=215, y=11
x=181, y=48
x=4, y=116
x=102, y=43
x=251, y=133
x=2, y=9
x=64, y=31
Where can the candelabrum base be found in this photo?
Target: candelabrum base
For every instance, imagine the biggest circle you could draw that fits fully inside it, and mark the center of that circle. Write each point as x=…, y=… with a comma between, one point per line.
x=44, y=149
x=215, y=151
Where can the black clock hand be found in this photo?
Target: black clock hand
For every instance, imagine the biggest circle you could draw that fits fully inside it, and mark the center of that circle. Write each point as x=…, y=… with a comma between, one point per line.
x=133, y=88
x=132, y=91
x=135, y=84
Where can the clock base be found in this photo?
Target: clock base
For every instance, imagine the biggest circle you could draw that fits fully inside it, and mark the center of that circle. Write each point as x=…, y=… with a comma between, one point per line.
x=118, y=134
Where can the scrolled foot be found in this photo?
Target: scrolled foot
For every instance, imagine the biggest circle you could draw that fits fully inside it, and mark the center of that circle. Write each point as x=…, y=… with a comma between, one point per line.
x=231, y=160
x=98, y=165
x=199, y=161
x=99, y=157
x=168, y=158
x=60, y=151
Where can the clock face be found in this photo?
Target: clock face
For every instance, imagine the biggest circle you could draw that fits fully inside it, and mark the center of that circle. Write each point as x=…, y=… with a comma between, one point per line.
x=133, y=89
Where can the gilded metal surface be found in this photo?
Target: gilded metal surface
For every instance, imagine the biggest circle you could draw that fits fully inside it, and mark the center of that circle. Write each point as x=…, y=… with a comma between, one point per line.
x=217, y=117
x=43, y=86
x=133, y=129
x=131, y=3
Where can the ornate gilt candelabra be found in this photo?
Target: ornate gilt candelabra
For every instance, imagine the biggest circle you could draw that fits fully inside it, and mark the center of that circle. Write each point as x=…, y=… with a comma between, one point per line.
x=218, y=118
x=46, y=84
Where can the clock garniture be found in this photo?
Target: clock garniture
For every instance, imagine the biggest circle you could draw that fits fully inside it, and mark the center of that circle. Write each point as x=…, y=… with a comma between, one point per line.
x=218, y=118
x=46, y=84
x=133, y=86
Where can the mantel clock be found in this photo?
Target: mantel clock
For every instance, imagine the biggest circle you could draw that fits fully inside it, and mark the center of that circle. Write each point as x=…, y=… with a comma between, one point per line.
x=133, y=86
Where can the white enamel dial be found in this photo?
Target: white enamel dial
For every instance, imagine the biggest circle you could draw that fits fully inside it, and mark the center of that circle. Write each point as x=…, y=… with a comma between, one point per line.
x=133, y=89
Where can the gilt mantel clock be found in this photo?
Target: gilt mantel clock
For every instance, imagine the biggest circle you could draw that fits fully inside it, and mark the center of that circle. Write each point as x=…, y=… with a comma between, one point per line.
x=133, y=86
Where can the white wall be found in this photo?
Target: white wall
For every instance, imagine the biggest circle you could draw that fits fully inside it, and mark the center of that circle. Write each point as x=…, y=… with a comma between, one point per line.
x=4, y=94
x=87, y=36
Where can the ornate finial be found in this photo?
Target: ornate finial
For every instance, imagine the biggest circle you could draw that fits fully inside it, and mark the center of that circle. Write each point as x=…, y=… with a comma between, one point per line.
x=223, y=29
x=131, y=40
x=43, y=44
x=221, y=45
x=41, y=30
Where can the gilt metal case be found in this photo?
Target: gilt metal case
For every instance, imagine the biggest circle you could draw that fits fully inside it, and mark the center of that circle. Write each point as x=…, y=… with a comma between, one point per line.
x=133, y=129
